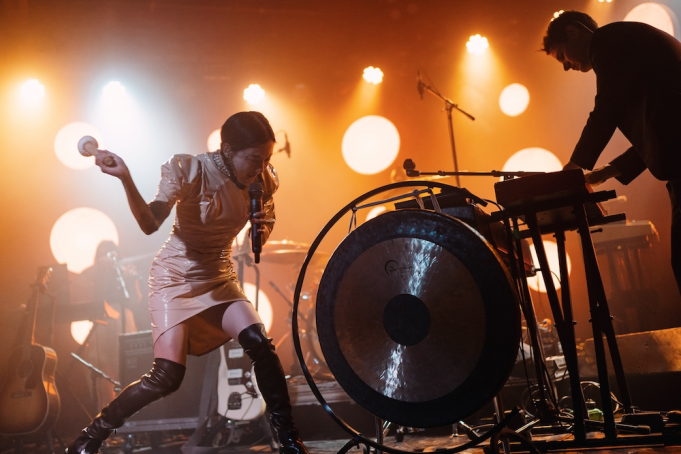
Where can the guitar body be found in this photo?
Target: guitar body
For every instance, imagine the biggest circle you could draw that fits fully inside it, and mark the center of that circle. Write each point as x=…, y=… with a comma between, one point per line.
x=29, y=401
x=239, y=398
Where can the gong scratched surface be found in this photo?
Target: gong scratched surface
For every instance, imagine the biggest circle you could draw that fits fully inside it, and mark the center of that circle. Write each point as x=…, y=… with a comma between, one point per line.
x=417, y=318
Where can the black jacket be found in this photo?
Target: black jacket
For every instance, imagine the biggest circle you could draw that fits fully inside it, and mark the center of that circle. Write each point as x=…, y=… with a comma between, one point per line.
x=638, y=75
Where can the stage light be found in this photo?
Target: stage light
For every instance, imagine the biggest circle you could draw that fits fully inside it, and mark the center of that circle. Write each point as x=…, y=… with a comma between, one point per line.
x=373, y=75
x=659, y=16
x=264, y=305
x=375, y=211
x=66, y=144
x=114, y=89
x=370, y=144
x=76, y=235
x=254, y=94
x=605, y=1
x=533, y=159
x=32, y=91
x=477, y=45
x=214, y=140
x=514, y=99
x=536, y=283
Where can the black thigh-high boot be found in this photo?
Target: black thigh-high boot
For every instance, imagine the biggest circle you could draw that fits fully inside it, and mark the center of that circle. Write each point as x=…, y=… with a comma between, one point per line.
x=272, y=383
x=164, y=378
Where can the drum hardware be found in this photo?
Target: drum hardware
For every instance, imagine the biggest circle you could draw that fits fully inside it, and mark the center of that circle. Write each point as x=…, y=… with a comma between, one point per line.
x=443, y=410
x=309, y=334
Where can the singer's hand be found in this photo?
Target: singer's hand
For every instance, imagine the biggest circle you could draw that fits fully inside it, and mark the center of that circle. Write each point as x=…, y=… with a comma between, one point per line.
x=260, y=220
x=120, y=170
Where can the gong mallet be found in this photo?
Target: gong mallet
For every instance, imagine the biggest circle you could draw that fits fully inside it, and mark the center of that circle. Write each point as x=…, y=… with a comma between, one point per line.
x=87, y=146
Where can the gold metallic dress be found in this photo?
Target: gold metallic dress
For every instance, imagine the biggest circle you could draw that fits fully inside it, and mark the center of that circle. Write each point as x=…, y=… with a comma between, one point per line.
x=192, y=273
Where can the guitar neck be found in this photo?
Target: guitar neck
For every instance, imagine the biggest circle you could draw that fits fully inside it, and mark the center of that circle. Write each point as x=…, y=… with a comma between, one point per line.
x=39, y=288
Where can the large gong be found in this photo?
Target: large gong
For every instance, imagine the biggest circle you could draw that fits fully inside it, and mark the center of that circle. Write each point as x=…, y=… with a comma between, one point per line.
x=417, y=318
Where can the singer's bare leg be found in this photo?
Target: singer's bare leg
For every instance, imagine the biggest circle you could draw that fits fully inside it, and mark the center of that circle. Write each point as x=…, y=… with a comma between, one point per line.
x=237, y=316
x=173, y=344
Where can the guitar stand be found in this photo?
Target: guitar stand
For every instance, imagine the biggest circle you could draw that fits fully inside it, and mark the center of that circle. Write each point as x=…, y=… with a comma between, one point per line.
x=601, y=322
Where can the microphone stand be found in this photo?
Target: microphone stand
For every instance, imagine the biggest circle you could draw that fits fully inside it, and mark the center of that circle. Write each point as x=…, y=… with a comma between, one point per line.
x=449, y=105
x=410, y=169
x=121, y=282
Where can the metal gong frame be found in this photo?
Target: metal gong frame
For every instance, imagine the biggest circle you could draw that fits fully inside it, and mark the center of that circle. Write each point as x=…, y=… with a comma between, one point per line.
x=357, y=437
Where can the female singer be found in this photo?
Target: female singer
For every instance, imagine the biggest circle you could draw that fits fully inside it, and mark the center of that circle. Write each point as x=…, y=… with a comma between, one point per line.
x=195, y=300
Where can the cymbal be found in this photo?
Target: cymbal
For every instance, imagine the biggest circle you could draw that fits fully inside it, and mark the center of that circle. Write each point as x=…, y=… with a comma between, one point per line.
x=288, y=252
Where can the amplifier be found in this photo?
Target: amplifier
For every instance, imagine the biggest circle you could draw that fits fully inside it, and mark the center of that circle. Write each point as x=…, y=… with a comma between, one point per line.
x=178, y=411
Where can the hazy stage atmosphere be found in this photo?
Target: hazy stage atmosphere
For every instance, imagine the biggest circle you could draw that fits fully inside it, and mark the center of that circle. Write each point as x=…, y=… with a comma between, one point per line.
x=152, y=79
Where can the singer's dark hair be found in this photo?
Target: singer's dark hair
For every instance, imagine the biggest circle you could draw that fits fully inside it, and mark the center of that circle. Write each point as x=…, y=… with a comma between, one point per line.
x=556, y=34
x=246, y=130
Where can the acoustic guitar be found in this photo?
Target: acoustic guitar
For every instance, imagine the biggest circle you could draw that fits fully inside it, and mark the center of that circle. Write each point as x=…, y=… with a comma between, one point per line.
x=29, y=401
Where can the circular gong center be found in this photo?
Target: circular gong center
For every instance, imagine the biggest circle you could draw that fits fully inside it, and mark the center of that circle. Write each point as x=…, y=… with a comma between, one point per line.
x=406, y=319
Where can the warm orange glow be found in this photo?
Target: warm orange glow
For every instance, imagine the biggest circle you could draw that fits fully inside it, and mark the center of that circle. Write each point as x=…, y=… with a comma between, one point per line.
x=76, y=235
x=373, y=75
x=533, y=160
x=254, y=94
x=536, y=283
x=477, y=45
x=214, y=140
x=370, y=144
x=514, y=99
x=66, y=144
x=653, y=14
x=264, y=305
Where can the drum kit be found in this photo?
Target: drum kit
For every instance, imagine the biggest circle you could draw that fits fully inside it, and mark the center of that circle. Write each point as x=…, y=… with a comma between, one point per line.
x=418, y=310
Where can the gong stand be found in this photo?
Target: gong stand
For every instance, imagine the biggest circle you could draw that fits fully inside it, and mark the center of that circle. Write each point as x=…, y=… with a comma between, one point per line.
x=356, y=437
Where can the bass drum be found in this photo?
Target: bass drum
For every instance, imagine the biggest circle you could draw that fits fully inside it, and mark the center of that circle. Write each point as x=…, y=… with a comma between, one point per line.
x=418, y=318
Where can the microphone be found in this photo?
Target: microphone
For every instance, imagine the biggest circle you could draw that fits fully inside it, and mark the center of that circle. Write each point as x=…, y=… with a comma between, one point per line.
x=255, y=193
x=287, y=146
x=419, y=84
x=410, y=168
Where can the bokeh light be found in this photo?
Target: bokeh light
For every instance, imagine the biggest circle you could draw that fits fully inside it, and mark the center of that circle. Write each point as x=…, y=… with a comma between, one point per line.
x=536, y=283
x=32, y=91
x=264, y=304
x=370, y=144
x=533, y=159
x=214, y=140
x=375, y=211
x=80, y=330
x=76, y=235
x=66, y=144
x=254, y=94
x=373, y=75
x=477, y=44
x=653, y=14
x=514, y=99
